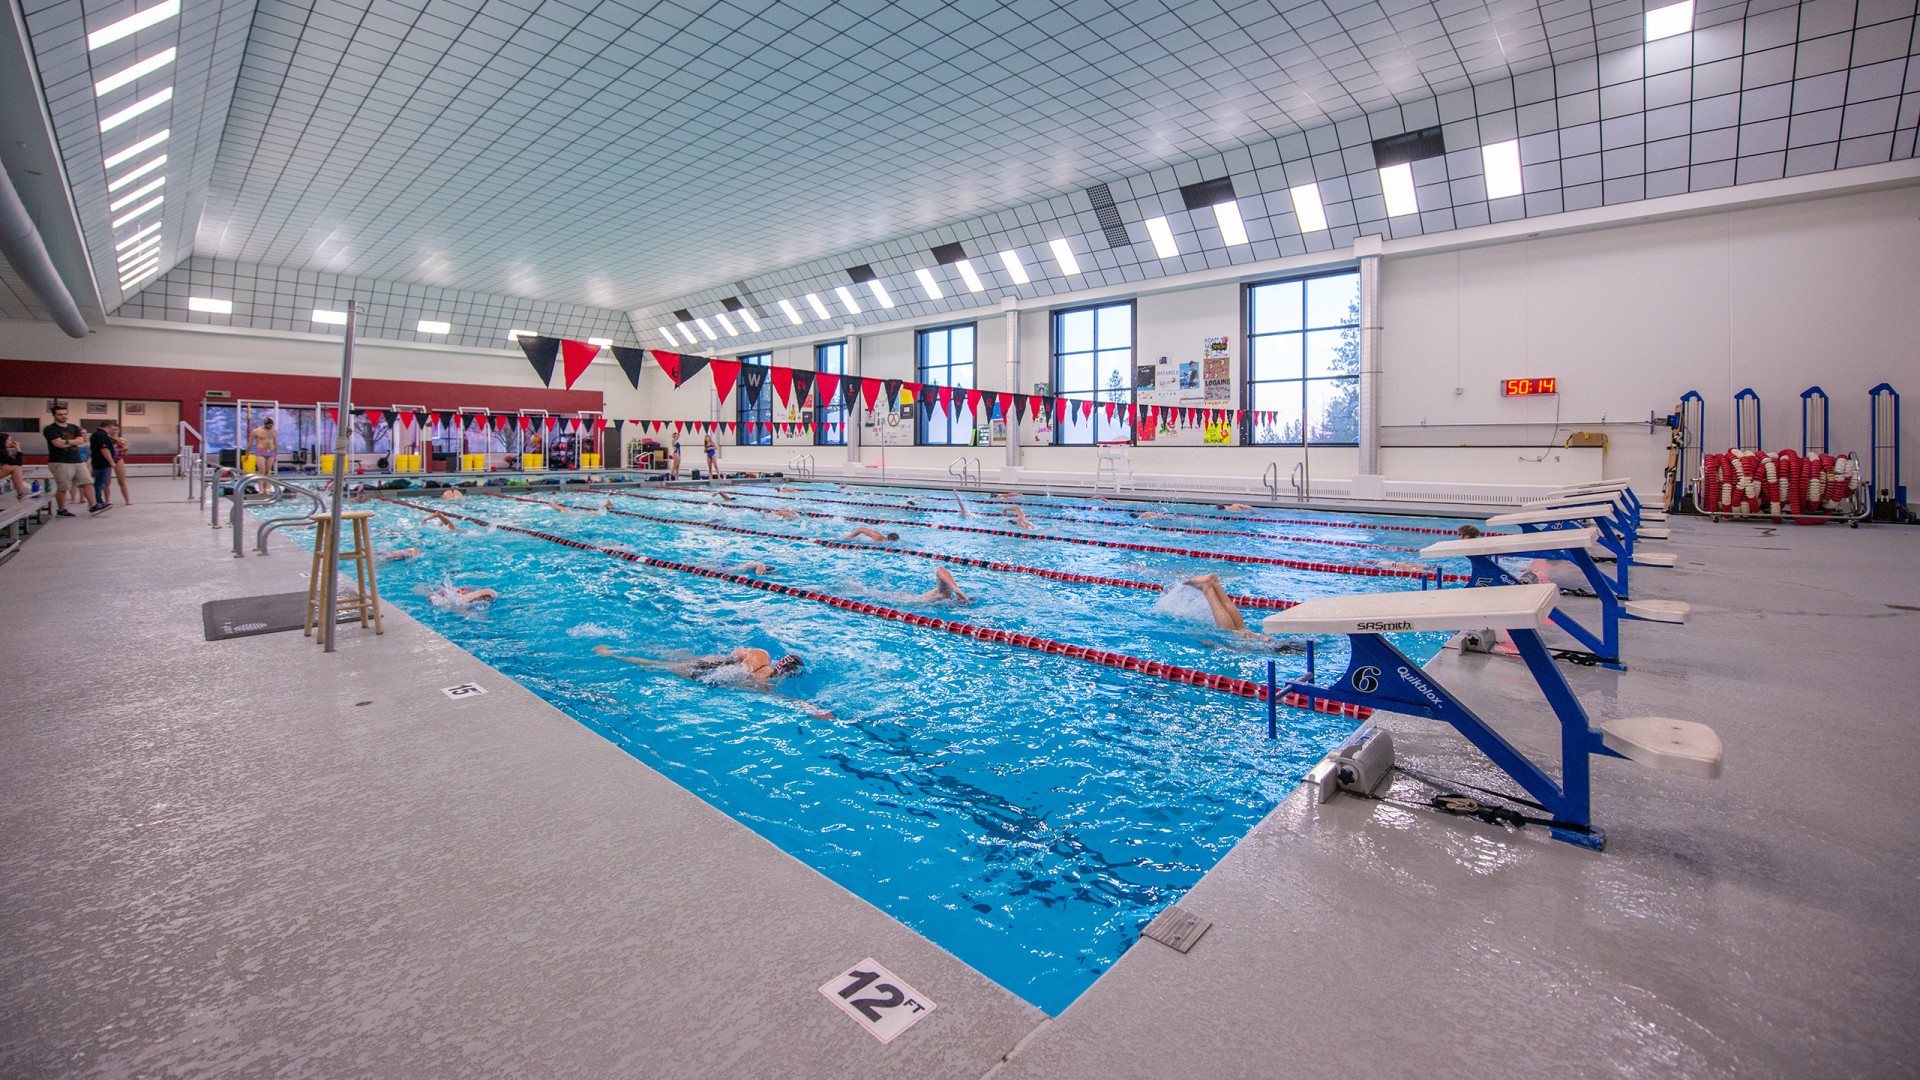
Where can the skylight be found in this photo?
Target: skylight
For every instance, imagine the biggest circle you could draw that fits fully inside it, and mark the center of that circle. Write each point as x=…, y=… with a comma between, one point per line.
x=1307, y=208
x=135, y=72
x=931, y=286
x=129, y=241
x=145, y=104
x=128, y=279
x=1396, y=183
x=1063, y=255
x=1016, y=269
x=133, y=24
x=1670, y=20
x=1500, y=164
x=1162, y=235
x=209, y=306
x=1232, y=230
x=846, y=299
x=143, y=250
x=600, y=341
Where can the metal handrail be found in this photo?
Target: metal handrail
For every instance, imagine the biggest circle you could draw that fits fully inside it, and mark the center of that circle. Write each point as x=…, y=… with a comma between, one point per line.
x=1270, y=479
x=268, y=525
x=801, y=465
x=1298, y=477
x=967, y=470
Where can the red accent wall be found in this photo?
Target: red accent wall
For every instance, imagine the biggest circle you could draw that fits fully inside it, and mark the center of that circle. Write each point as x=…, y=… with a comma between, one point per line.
x=188, y=386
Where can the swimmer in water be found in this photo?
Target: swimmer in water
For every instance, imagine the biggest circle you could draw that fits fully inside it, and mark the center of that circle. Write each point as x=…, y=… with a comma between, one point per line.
x=1227, y=617
x=1236, y=506
x=452, y=493
x=1019, y=517
x=785, y=514
x=1009, y=495
x=1145, y=514
x=1470, y=532
x=875, y=535
x=461, y=597
x=400, y=554
x=440, y=519
x=756, y=569
x=753, y=668
x=945, y=589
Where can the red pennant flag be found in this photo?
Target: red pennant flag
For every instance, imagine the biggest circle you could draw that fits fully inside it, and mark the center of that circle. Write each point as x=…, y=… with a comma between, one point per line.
x=946, y=399
x=599, y=423
x=973, y=404
x=1060, y=411
x=725, y=374
x=334, y=415
x=500, y=423
x=669, y=363
x=1034, y=405
x=574, y=358
x=829, y=384
x=1006, y=405
x=526, y=422
x=870, y=392
x=782, y=382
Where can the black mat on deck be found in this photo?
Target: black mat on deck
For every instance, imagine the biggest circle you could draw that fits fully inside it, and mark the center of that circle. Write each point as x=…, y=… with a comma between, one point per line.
x=246, y=616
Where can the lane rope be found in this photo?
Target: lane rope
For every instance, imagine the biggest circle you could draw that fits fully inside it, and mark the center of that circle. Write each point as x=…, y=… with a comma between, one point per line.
x=1260, y=560
x=1120, y=661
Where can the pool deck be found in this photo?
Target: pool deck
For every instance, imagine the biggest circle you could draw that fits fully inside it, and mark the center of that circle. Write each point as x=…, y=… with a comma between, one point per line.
x=249, y=858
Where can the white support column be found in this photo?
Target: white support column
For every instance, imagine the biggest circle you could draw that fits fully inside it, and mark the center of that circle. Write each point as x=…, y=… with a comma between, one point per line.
x=852, y=415
x=1012, y=314
x=1369, y=483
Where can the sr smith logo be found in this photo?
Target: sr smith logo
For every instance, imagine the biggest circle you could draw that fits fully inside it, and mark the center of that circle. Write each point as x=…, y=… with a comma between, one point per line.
x=1384, y=626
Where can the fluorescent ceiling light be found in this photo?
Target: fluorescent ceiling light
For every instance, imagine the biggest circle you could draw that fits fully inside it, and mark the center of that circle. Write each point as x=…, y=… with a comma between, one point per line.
x=131, y=240
x=140, y=251
x=136, y=194
x=433, y=326
x=668, y=334
x=133, y=24
x=1162, y=234
x=753, y=324
x=209, y=305
x=137, y=149
x=130, y=74
x=1396, y=183
x=967, y=274
x=1232, y=229
x=687, y=332
x=1016, y=269
x=134, y=214
x=1063, y=254
x=1307, y=208
x=726, y=324
x=603, y=342
x=134, y=268
x=880, y=293
x=516, y=335
x=706, y=330
x=820, y=309
x=931, y=286
x=792, y=315
x=1670, y=20
x=1500, y=162
x=137, y=173
x=846, y=298
x=127, y=280
x=329, y=318
x=145, y=104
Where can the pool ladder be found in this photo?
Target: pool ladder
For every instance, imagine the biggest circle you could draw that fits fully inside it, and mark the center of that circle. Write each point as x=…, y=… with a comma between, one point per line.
x=966, y=470
x=1297, y=479
x=801, y=465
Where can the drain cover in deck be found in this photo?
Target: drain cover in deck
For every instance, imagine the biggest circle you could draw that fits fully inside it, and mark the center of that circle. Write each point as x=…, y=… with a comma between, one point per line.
x=1176, y=928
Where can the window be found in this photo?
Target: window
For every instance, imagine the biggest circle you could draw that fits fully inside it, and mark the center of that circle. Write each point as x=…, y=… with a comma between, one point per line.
x=1303, y=363
x=754, y=400
x=946, y=359
x=829, y=417
x=1093, y=361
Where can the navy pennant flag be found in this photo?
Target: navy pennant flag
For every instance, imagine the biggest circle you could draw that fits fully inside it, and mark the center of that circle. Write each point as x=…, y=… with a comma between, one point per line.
x=630, y=360
x=541, y=353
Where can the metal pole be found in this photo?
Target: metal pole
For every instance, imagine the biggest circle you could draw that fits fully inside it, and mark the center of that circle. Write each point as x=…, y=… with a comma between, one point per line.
x=1009, y=307
x=342, y=442
x=1369, y=355
x=1273, y=704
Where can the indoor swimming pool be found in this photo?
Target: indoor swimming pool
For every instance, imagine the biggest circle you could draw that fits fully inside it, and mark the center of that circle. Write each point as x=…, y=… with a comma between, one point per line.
x=1025, y=808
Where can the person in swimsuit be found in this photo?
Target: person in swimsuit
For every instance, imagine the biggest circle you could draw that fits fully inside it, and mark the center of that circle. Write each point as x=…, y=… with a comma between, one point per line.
x=945, y=589
x=1019, y=517
x=785, y=514
x=120, y=465
x=1226, y=615
x=673, y=459
x=461, y=597
x=1235, y=506
x=713, y=457
x=440, y=519
x=753, y=668
x=875, y=535
x=400, y=554
x=265, y=444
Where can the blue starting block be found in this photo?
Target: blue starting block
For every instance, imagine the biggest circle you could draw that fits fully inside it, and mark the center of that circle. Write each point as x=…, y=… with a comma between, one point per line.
x=1620, y=491
x=1379, y=676
x=1570, y=545
x=1613, y=541
x=1626, y=513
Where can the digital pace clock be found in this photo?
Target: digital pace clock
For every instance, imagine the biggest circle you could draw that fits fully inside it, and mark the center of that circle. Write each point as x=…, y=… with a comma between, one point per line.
x=1528, y=387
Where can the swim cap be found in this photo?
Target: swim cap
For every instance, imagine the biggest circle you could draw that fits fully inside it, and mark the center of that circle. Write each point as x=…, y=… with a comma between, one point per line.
x=787, y=664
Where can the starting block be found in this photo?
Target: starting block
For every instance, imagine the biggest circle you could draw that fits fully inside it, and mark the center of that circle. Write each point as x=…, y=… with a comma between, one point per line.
x=1622, y=490
x=1629, y=518
x=1570, y=545
x=1614, y=541
x=1381, y=677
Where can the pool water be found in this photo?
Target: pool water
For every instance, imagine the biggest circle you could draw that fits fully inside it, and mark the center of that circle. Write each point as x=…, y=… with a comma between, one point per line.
x=1027, y=812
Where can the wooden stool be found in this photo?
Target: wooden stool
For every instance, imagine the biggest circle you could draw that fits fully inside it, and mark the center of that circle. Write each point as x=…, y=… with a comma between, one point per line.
x=366, y=600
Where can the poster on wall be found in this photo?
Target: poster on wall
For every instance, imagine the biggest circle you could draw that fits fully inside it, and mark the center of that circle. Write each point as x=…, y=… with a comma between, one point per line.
x=1213, y=347
x=1216, y=382
x=1220, y=433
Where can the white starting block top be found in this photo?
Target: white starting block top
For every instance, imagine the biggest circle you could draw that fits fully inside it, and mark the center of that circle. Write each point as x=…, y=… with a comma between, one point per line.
x=1584, y=498
x=1499, y=607
x=1621, y=484
x=1508, y=543
x=1546, y=517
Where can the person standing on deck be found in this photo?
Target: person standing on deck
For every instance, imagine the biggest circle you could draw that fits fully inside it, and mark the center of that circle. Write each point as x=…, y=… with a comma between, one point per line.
x=265, y=444
x=66, y=458
x=100, y=460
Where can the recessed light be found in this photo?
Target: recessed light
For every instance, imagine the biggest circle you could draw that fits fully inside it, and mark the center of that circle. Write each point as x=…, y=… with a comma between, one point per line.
x=1396, y=183
x=880, y=293
x=516, y=335
x=603, y=342
x=210, y=306
x=931, y=286
x=846, y=299
x=820, y=309
x=1162, y=235
x=132, y=74
x=137, y=173
x=1063, y=254
x=1016, y=269
x=134, y=214
x=329, y=318
x=128, y=280
x=139, y=266
x=706, y=330
x=792, y=315
x=753, y=324
x=137, y=194
x=1500, y=164
x=967, y=274
x=139, y=251
x=131, y=240
x=1232, y=230
x=145, y=104
x=686, y=332
x=1670, y=20
x=726, y=324
x=133, y=24
x=434, y=326
x=1307, y=207
x=137, y=149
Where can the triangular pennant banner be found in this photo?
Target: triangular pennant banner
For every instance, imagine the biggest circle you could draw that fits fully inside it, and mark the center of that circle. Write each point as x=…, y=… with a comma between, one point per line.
x=669, y=363
x=892, y=387
x=973, y=405
x=869, y=391
x=1020, y=406
x=691, y=366
x=802, y=386
x=753, y=379
x=541, y=352
x=574, y=358
x=630, y=361
x=946, y=400
x=725, y=374
x=1006, y=405
x=1110, y=408
x=526, y=422
x=828, y=384
x=782, y=384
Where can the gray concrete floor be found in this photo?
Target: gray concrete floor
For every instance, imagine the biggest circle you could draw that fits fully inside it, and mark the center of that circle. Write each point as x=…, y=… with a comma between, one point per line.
x=248, y=858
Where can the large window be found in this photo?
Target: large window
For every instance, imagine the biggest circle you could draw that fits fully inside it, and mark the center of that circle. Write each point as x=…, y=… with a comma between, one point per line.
x=946, y=359
x=1303, y=363
x=1093, y=362
x=829, y=418
x=754, y=400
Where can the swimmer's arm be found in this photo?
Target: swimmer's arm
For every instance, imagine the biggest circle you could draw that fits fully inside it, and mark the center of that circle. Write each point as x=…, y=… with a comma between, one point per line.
x=607, y=651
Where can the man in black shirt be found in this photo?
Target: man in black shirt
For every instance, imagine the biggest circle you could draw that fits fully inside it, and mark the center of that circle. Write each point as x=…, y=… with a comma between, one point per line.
x=101, y=461
x=66, y=458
